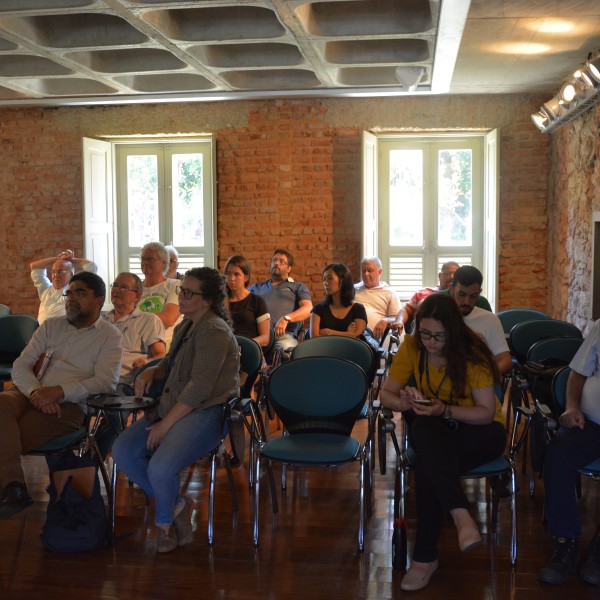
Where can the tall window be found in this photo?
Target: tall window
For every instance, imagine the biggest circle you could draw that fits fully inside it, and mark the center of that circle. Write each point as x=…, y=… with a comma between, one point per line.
x=430, y=207
x=164, y=193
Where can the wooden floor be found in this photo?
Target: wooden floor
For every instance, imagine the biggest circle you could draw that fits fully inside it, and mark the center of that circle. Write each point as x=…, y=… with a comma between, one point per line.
x=307, y=551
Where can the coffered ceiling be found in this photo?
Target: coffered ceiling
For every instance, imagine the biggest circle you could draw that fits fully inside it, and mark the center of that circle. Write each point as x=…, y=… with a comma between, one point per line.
x=65, y=52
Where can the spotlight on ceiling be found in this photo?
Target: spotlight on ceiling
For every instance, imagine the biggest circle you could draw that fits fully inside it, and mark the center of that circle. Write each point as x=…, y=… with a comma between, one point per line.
x=577, y=95
x=410, y=77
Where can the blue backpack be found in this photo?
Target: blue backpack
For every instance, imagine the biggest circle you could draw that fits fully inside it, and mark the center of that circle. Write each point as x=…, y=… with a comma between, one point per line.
x=76, y=518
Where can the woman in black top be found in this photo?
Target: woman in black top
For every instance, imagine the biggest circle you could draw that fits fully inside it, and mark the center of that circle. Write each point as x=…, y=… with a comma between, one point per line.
x=248, y=311
x=338, y=314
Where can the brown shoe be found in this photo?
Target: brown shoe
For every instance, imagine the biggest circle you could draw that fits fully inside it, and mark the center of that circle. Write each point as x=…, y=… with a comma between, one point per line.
x=183, y=523
x=165, y=542
x=418, y=576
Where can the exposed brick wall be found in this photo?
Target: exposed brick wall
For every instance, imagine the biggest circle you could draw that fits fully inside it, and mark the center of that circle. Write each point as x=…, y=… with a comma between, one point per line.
x=573, y=196
x=289, y=174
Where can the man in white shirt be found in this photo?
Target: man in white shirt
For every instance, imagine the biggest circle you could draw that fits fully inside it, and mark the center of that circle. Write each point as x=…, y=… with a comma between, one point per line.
x=143, y=333
x=379, y=299
x=52, y=284
x=576, y=444
x=84, y=357
x=466, y=290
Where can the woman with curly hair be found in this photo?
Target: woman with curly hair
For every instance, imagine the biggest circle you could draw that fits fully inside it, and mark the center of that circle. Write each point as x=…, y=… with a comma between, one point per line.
x=200, y=374
x=338, y=314
x=443, y=380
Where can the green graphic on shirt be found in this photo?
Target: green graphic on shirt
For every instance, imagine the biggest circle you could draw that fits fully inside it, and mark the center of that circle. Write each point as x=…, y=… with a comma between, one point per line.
x=151, y=304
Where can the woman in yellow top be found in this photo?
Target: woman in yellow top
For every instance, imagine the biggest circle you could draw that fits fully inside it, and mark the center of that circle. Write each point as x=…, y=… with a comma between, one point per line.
x=443, y=380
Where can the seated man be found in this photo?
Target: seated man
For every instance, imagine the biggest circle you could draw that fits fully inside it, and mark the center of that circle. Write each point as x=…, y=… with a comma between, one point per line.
x=288, y=302
x=159, y=294
x=51, y=289
x=445, y=276
x=466, y=291
x=143, y=333
x=83, y=354
x=576, y=444
x=379, y=299
x=407, y=312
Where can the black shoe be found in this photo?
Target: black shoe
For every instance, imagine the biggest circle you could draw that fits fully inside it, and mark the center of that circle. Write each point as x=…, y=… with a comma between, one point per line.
x=561, y=563
x=590, y=569
x=14, y=499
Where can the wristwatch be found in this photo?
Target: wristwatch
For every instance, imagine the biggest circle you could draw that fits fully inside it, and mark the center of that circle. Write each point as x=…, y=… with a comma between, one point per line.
x=447, y=414
x=288, y=318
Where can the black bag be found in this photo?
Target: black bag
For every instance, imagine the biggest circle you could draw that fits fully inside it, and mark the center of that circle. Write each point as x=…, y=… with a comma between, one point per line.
x=76, y=518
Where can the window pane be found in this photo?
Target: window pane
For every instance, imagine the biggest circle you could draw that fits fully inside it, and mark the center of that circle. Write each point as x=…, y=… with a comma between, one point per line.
x=406, y=198
x=188, y=208
x=142, y=199
x=455, y=195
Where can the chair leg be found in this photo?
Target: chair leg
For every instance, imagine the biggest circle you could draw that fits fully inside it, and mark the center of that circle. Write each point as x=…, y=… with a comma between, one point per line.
x=362, y=508
x=211, y=497
x=513, y=508
x=256, y=499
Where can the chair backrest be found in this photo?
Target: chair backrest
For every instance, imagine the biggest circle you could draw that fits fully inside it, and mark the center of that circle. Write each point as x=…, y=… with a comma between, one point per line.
x=15, y=333
x=4, y=310
x=318, y=394
x=510, y=317
x=559, y=388
x=357, y=351
x=524, y=335
x=250, y=362
x=554, y=351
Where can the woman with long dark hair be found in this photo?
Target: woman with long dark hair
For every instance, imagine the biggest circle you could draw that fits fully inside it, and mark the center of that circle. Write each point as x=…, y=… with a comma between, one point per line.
x=201, y=374
x=248, y=311
x=455, y=423
x=338, y=314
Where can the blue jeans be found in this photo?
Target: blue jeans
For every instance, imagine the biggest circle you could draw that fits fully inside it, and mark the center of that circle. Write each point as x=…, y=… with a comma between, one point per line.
x=157, y=473
x=569, y=450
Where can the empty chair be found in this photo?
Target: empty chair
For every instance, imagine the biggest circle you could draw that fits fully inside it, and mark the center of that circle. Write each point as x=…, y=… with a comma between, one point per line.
x=15, y=333
x=510, y=317
x=318, y=400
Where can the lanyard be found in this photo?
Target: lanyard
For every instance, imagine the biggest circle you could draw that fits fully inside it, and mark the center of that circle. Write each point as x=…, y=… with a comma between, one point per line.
x=424, y=366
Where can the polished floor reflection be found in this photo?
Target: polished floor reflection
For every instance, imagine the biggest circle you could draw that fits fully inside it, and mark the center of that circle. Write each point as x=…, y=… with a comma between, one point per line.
x=308, y=550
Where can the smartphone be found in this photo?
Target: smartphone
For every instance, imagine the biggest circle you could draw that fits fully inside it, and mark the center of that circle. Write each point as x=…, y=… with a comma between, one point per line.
x=424, y=401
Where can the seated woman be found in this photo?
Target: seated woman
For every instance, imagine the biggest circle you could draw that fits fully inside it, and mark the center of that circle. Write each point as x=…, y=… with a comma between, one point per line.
x=201, y=373
x=455, y=423
x=338, y=314
x=248, y=311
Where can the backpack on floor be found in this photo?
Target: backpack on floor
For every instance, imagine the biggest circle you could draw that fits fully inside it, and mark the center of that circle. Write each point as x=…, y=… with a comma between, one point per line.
x=76, y=518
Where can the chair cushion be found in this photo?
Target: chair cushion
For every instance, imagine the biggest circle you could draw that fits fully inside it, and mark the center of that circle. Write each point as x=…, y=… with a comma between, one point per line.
x=494, y=467
x=593, y=467
x=61, y=443
x=312, y=449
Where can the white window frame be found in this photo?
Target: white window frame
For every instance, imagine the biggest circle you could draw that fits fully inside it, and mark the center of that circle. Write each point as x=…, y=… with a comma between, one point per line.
x=419, y=266
x=103, y=211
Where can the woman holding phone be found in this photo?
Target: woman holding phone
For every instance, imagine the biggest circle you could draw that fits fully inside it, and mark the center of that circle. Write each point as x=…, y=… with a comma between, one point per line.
x=443, y=380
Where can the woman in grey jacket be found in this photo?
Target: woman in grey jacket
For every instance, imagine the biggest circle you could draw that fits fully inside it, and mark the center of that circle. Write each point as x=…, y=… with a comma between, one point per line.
x=201, y=372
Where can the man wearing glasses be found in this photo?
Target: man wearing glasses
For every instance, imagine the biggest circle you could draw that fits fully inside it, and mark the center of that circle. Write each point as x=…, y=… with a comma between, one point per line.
x=82, y=356
x=52, y=284
x=143, y=333
x=289, y=302
x=159, y=294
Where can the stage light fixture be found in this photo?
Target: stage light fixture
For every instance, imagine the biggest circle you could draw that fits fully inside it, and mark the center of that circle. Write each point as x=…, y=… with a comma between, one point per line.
x=576, y=95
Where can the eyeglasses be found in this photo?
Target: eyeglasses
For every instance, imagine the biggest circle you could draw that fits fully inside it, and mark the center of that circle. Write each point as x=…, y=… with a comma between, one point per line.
x=148, y=259
x=279, y=261
x=59, y=272
x=78, y=293
x=446, y=273
x=437, y=337
x=121, y=288
x=173, y=260
x=186, y=293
